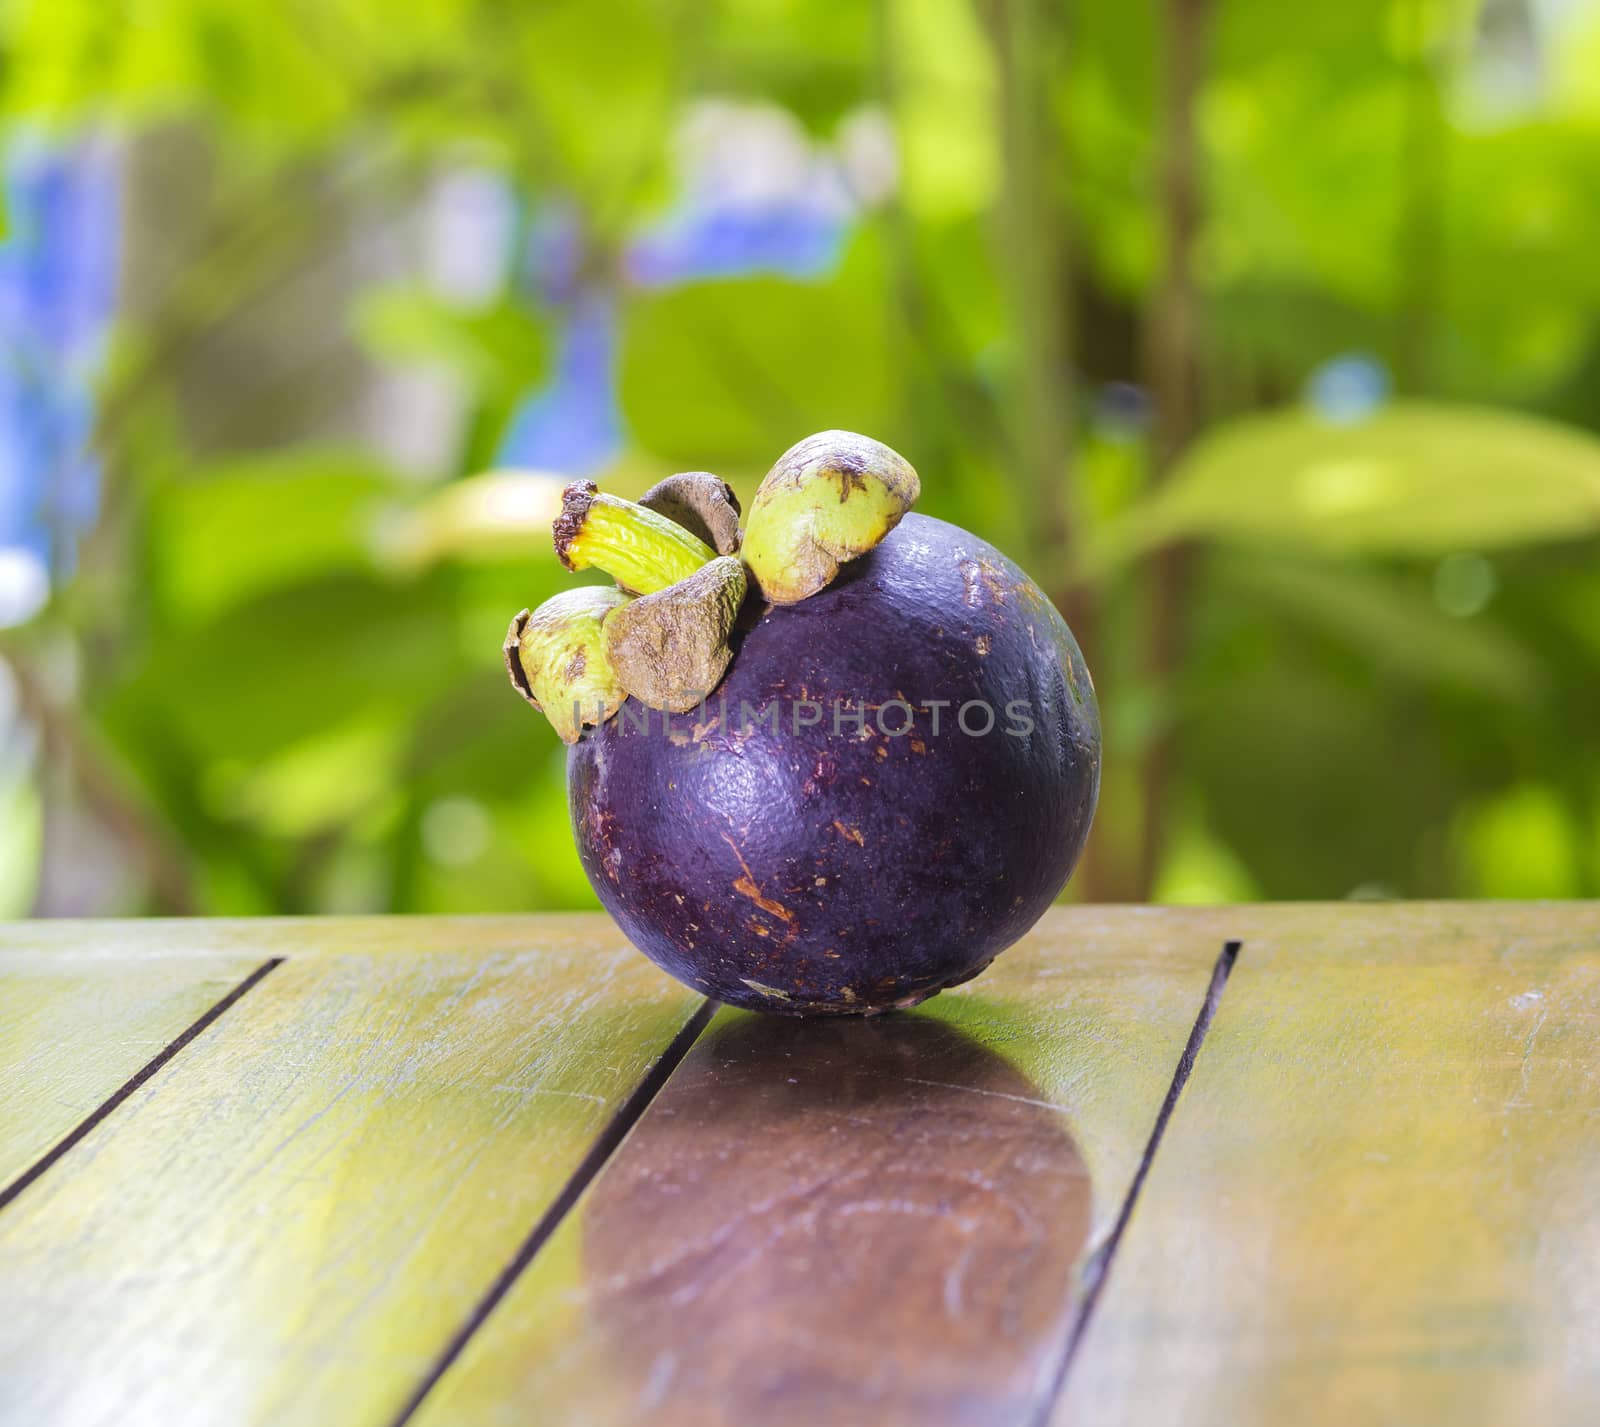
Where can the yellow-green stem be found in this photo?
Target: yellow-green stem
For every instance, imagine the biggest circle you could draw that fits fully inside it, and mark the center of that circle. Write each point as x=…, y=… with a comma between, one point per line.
x=640, y=550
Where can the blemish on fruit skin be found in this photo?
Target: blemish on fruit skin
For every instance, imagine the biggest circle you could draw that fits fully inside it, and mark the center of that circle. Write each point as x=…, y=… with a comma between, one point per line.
x=746, y=886
x=982, y=583
x=1072, y=681
x=983, y=644
x=763, y=990
x=850, y=479
x=971, y=584
x=918, y=746
x=850, y=834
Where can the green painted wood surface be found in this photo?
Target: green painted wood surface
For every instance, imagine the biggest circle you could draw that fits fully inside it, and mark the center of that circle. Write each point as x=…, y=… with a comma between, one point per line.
x=258, y=938
x=290, y=1221
x=1379, y=1201
x=76, y=1027
x=877, y=1222
x=1376, y=1200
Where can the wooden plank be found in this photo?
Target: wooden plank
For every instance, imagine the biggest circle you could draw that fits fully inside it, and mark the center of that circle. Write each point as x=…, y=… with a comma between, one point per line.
x=857, y=1222
x=289, y=1223
x=297, y=937
x=1379, y=1200
x=72, y=1033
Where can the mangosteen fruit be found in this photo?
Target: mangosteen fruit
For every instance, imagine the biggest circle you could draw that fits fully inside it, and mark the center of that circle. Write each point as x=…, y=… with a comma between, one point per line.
x=835, y=772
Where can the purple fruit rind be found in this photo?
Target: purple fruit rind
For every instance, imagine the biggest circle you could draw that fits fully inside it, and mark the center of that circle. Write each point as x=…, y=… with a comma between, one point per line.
x=803, y=870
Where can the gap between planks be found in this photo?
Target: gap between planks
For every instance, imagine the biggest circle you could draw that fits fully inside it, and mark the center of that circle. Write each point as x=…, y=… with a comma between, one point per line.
x=145, y=1072
x=1098, y=1269
x=1095, y=1274
x=605, y=1145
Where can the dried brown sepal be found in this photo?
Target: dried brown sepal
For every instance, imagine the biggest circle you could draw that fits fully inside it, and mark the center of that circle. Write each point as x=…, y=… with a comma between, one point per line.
x=511, y=649
x=670, y=649
x=703, y=504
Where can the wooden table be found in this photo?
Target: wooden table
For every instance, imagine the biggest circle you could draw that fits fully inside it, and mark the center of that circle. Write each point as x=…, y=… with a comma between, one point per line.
x=502, y=1171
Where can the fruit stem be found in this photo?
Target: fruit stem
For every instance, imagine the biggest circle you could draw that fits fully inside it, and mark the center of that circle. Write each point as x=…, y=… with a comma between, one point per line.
x=642, y=551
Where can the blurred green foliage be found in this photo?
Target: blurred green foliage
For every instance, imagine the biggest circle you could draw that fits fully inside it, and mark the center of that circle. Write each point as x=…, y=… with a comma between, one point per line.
x=274, y=678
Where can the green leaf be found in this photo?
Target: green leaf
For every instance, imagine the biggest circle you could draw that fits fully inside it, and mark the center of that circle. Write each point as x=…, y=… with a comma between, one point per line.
x=726, y=375
x=260, y=524
x=319, y=782
x=1417, y=479
x=942, y=70
x=499, y=351
x=811, y=56
x=294, y=663
x=1522, y=843
x=594, y=90
x=493, y=516
x=1317, y=786
x=1389, y=624
x=21, y=838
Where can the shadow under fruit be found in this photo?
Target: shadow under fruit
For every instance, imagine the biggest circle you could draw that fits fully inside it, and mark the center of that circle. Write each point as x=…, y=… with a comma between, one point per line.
x=853, y=1221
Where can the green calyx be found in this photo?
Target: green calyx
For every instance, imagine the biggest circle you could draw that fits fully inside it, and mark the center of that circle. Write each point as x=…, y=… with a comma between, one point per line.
x=683, y=569
x=640, y=549
x=829, y=499
x=557, y=661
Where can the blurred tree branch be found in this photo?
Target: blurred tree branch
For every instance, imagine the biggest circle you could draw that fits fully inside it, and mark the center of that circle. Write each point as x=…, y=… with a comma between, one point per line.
x=1172, y=366
x=1032, y=239
x=68, y=746
x=1038, y=274
x=965, y=403
x=1420, y=183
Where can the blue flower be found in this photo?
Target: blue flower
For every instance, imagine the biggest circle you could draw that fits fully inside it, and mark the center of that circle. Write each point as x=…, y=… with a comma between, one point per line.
x=58, y=274
x=1348, y=388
